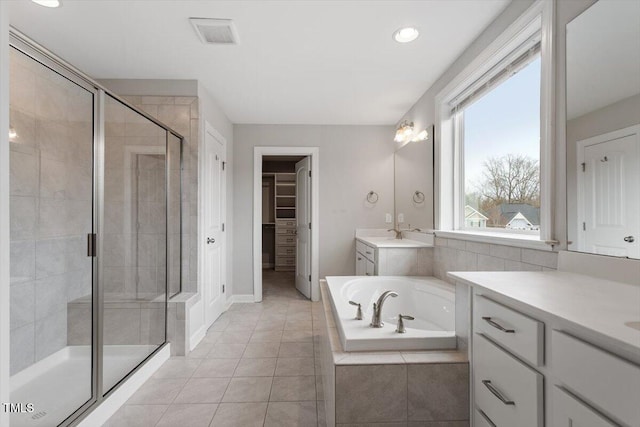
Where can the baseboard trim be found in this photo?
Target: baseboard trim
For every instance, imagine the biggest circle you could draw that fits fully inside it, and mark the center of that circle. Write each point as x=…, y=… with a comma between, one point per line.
x=111, y=404
x=246, y=298
x=196, y=337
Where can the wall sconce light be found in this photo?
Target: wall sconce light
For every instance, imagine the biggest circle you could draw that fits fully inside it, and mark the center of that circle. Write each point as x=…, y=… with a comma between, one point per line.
x=405, y=133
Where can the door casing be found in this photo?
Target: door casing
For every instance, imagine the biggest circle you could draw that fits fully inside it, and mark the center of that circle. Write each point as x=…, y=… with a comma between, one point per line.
x=314, y=154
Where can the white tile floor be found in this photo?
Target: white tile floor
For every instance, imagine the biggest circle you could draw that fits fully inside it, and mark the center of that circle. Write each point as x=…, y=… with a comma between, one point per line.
x=255, y=367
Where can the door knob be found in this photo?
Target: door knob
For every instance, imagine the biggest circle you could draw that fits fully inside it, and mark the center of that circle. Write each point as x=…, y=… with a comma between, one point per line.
x=210, y=240
x=629, y=239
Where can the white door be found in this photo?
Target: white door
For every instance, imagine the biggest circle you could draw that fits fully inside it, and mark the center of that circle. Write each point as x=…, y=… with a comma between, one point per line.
x=609, y=194
x=213, y=237
x=303, y=226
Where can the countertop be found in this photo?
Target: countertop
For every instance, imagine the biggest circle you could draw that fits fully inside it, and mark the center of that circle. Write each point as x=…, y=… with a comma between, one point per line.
x=597, y=306
x=390, y=242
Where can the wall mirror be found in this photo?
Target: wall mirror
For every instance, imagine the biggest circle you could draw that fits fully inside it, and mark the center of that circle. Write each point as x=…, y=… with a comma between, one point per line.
x=603, y=129
x=413, y=189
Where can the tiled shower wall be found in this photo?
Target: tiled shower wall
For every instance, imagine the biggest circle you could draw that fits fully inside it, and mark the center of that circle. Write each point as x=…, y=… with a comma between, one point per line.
x=51, y=207
x=181, y=113
x=464, y=255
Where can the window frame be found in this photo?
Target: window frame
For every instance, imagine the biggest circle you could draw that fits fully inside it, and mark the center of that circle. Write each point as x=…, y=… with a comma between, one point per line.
x=449, y=168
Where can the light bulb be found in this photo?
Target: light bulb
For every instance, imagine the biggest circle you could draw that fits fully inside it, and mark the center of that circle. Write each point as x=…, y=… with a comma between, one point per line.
x=47, y=3
x=406, y=35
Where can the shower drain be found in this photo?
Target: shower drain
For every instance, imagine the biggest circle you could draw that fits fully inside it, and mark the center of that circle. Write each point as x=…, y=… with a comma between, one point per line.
x=38, y=415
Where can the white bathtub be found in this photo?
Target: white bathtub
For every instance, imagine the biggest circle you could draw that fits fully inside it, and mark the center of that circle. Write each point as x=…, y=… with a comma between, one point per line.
x=431, y=301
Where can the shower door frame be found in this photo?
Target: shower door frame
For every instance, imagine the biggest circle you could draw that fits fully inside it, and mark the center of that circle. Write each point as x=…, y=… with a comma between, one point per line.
x=42, y=55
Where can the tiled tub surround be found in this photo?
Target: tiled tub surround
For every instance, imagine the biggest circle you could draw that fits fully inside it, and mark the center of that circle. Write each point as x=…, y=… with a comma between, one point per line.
x=51, y=202
x=429, y=388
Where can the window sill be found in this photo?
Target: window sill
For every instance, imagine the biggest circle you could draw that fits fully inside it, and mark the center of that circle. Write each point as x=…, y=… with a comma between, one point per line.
x=497, y=238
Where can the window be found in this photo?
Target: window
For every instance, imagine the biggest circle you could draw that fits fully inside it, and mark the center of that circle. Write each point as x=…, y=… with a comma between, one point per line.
x=497, y=134
x=494, y=120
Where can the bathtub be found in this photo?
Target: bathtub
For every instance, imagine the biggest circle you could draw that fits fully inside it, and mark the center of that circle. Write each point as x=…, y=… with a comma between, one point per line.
x=431, y=301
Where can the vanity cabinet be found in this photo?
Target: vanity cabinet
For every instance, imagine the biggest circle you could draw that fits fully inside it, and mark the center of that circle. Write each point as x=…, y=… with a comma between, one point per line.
x=507, y=392
x=382, y=256
x=531, y=369
x=365, y=260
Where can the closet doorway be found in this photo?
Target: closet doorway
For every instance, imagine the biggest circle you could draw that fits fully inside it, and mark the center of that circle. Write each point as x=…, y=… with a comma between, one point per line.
x=285, y=226
x=285, y=223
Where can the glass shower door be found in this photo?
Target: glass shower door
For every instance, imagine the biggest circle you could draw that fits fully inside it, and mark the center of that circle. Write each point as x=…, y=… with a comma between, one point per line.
x=134, y=241
x=51, y=204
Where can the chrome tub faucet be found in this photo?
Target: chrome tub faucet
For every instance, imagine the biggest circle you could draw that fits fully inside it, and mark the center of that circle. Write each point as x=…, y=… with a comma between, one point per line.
x=376, y=319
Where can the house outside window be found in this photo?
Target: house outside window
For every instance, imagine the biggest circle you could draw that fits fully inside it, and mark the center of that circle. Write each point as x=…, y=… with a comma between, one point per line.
x=498, y=135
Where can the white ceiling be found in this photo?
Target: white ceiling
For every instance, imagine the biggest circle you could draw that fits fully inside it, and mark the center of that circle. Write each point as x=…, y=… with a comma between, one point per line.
x=299, y=62
x=603, y=56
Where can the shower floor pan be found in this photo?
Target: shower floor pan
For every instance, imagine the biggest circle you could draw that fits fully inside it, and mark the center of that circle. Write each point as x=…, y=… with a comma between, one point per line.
x=61, y=383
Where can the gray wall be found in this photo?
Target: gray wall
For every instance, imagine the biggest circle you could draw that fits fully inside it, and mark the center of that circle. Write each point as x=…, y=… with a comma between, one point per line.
x=353, y=161
x=616, y=116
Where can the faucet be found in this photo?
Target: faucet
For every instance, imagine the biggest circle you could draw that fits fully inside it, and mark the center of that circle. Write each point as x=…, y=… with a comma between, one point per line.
x=376, y=321
x=397, y=231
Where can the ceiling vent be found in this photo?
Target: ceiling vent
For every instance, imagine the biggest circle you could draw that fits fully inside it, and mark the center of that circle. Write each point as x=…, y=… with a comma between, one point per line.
x=215, y=31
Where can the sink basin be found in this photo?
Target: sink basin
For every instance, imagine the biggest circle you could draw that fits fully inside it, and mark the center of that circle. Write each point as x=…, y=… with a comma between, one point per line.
x=634, y=325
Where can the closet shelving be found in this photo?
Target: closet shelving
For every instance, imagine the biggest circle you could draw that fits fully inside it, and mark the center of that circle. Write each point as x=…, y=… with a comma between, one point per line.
x=285, y=214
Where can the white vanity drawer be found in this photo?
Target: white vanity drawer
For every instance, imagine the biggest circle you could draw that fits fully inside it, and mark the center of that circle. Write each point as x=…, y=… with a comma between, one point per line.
x=570, y=412
x=482, y=420
x=508, y=391
x=605, y=381
x=285, y=240
x=520, y=334
x=365, y=250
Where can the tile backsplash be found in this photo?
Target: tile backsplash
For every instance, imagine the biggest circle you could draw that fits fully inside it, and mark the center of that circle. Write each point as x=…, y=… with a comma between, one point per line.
x=463, y=255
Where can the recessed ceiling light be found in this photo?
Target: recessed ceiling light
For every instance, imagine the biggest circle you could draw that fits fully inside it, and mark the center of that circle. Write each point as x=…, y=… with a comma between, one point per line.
x=406, y=35
x=47, y=3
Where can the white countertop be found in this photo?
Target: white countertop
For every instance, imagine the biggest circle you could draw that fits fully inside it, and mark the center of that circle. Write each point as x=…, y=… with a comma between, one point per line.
x=600, y=306
x=390, y=242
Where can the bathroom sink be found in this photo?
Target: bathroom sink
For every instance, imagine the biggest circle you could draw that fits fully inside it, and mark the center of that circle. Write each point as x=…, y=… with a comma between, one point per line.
x=634, y=325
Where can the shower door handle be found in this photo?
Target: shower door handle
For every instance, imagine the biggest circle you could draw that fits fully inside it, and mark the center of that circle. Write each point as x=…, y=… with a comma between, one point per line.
x=91, y=245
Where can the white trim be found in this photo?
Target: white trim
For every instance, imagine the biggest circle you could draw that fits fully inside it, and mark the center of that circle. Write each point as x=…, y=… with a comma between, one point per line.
x=120, y=395
x=258, y=153
x=538, y=17
x=5, y=322
x=196, y=337
x=548, y=123
x=519, y=240
x=241, y=299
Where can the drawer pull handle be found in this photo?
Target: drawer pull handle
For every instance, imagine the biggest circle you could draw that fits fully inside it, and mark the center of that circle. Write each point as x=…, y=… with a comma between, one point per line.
x=498, y=326
x=368, y=253
x=486, y=418
x=496, y=393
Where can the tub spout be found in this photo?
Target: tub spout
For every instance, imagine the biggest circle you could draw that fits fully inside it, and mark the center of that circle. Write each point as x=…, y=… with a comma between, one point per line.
x=376, y=319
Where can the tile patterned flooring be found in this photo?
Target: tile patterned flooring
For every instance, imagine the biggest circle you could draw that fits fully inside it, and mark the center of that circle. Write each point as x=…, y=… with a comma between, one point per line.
x=257, y=366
